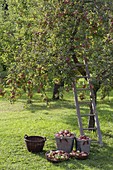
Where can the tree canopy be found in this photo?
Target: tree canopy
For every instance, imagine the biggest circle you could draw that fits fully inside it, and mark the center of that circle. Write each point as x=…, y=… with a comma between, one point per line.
x=40, y=42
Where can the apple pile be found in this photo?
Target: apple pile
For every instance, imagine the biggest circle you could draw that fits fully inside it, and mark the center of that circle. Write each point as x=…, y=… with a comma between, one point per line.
x=57, y=155
x=83, y=137
x=64, y=133
x=73, y=153
x=79, y=154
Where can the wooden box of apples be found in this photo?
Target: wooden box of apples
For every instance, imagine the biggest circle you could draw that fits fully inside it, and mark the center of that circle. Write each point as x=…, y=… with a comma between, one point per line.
x=65, y=140
x=83, y=143
x=64, y=147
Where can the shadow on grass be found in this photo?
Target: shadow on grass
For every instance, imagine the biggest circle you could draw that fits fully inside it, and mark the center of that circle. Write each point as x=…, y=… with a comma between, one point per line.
x=104, y=109
x=52, y=104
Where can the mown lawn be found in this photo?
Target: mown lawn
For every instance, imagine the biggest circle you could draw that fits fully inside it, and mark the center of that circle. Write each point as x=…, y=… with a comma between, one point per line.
x=19, y=119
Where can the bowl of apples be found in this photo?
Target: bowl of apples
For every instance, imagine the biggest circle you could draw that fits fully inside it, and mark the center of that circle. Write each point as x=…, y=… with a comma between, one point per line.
x=79, y=155
x=56, y=156
x=65, y=140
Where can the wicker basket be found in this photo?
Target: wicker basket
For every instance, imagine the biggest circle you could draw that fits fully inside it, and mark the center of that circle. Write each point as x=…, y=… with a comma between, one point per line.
x=34, y=143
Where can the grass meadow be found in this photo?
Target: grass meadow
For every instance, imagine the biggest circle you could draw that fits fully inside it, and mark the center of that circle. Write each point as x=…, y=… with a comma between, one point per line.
x=19, y=119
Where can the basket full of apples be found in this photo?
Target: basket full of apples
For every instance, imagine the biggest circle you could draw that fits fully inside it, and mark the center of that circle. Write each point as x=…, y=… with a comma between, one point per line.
x=83, y=143
x=78, y=155
x=56, y=156
x=65, y=140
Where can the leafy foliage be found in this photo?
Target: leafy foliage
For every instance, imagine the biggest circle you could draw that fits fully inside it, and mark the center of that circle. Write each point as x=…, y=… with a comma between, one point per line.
x=40, y=42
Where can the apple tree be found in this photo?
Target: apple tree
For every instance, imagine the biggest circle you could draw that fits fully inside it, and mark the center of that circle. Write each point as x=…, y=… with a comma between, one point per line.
x=42, y=41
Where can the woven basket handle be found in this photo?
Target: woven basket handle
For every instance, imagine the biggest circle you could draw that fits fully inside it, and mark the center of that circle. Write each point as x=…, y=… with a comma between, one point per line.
x=25, y=136
x=45, y=139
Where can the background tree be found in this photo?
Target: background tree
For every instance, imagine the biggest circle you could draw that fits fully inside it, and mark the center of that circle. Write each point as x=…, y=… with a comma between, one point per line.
x=42, y=41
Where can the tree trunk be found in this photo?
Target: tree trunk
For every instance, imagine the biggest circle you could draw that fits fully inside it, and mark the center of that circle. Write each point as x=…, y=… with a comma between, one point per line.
x=91, y=123
x=56, y=90
x=5, y=7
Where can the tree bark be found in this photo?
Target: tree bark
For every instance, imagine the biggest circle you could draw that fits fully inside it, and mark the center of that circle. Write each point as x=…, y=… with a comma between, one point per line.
x=5, y=7
x=91, y=123
x=56, y=90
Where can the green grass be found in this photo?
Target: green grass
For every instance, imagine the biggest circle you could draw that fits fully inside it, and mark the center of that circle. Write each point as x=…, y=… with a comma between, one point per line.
x=19, y=119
